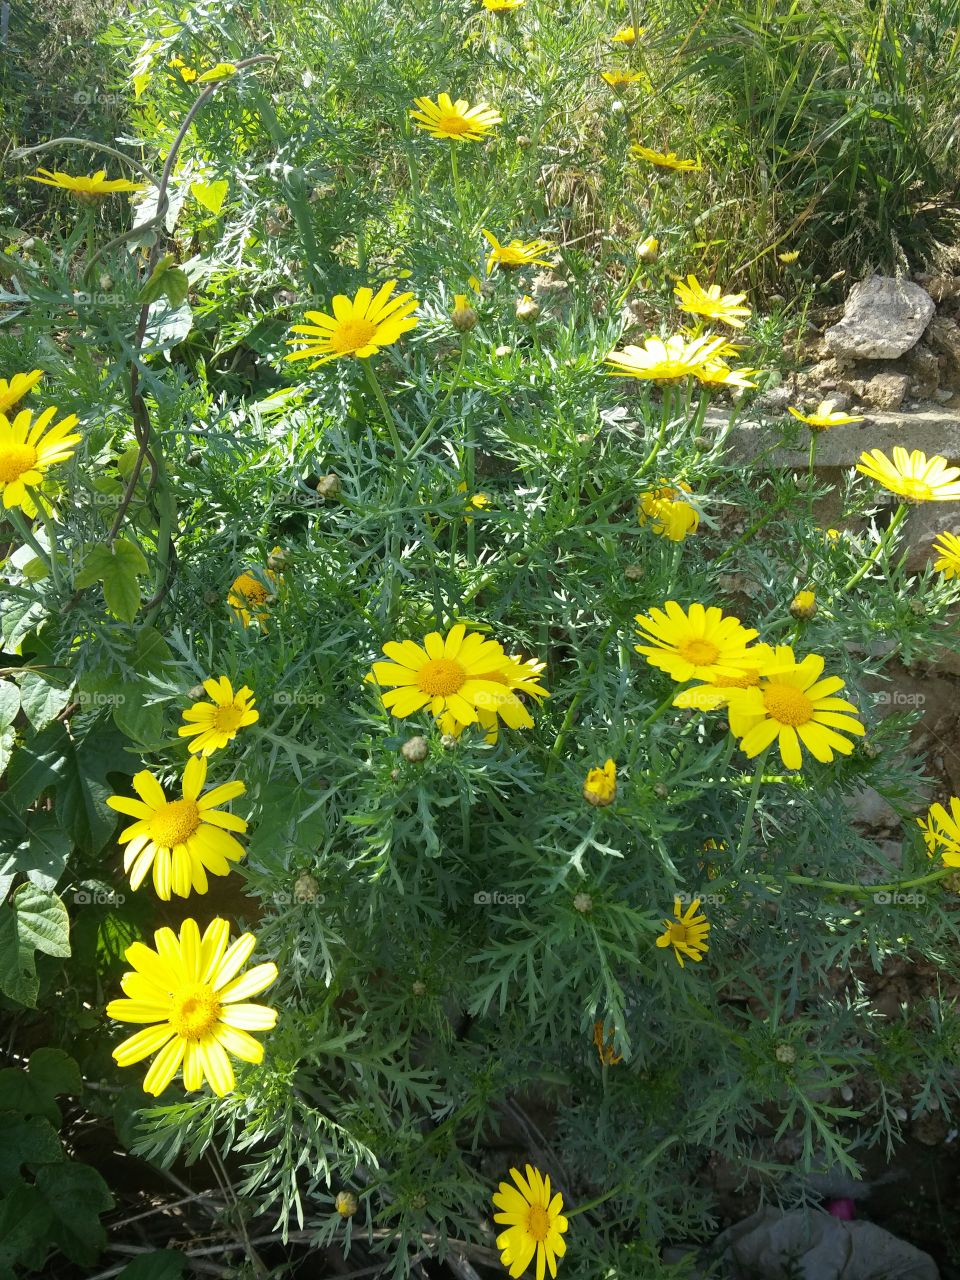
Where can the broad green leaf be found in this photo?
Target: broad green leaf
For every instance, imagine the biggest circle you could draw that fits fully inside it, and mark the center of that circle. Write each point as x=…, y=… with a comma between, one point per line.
x=139, y=721
x=55, y=1071
x=9, y=702
x=24, y=1230
x=30, y=1140
x=167, y=280
x=18, y=972
x=219, y=72
x=42, y=920
x=164, y=1264
x=43, y=857
x=166, y=326
x=77, y=1196
x=20, y=1093
x=41, y=700
x=118, y=568
x=8, y=739
x=152, y=653
x=82, y=787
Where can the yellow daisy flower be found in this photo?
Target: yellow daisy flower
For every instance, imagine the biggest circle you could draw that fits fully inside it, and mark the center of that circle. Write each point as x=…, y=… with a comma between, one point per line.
x=711, y=303
x=249, y=596
x=698, y=644
x=794, y=707
x=664, y=361
x=667, y=514
x=941, y=832
x=17, y=388
x=517, y=253
x=358, y=328
x=715, y=373
x=534, y=1221
x=213, y=724
x=663, y=159
x=617, y=77
x=462, y=674
x=947, y=547
x=686, y=933
x=912, y=475
x=522, y=676
x=191, y=988
x=455, y=121
x=627, y=35
x=600, y=788
x=28, y=450
x=789, y=257
x=502, y=6
x=824, y=416
x=605, y=1045
x=96, y=185
x=181, y=839
x=764, y=661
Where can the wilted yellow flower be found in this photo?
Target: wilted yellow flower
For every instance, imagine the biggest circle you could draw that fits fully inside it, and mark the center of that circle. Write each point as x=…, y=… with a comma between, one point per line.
x=249, y=596
x=17, y=388
x=711, y=303
x=947, y=547
x=789, y=257
x=455, y=121
x=28, y=450
x=617, y=77
x=628, y=35
x=98, y=184
x=181, y=839
x=686, y=933
x=605, y=1045
x=213, y=724
x=667, y=513
x=912, y=476
x=824, y=416
x=663, y=159
x=517, y=253
x=189, y=986
x=358, y=328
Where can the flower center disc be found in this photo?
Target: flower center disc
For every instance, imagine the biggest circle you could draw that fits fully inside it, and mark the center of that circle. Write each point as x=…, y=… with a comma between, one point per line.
x=227, y=719
x=194, y=1012
x=915, y=490
x=538, y=1222
x=251, y=590
x=678, y=933
x=702, y=653
x=15, y=460
x=174, y=822
x=787, y=704
x=454, y=126
x=441, y=676
x=351, y=335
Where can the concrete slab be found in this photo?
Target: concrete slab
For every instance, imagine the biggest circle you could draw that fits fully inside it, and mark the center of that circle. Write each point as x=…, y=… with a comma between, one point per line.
x=934, y=430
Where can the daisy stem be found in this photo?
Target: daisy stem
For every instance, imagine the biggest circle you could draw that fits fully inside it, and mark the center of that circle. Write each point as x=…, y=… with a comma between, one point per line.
x=25, y=532
x=51, y=532
x=868, y=890
x=658, y=711
x=666, y=411
x=747, y=830
x=883, y=545
x=653, y=1156
x=577, y=699
x=458, y=194
x=810, y=465
x=388, y=417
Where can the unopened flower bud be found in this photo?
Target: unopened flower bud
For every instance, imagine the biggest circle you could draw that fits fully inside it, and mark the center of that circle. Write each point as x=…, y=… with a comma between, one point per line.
x=701, y=443
x=328, y=486
x=419, y=988
x=600, y=787
x=522, y=140
x=661, y=791
x=196, y=691
x=503, y=351
x=415, y=750
x=193, y=458
x=583, y=903
x=306, y=887
x=527, y=310
x=786, y=1053
x=633, y=572
x=418, y=1201
x=395, y=775
x=803, y=607
x=648, y=250
x=463, y=317
x=347, y=1204
x=918, y=608
x=449, y=742
x=106, y=281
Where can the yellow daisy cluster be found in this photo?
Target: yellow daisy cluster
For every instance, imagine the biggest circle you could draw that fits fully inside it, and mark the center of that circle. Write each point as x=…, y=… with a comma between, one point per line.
x=678, y=358
x=667, y=513
x=768, y=694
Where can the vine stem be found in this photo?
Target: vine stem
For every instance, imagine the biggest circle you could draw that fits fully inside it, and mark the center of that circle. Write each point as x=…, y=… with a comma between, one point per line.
x=747, y=830
x=388, y=417
x=883, y=544
x=869, y=890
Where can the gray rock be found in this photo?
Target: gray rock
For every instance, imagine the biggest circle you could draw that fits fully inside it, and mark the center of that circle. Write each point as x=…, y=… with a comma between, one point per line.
x=882, y=319
x=944, y=336
x=869, y=807
x=925, y=368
